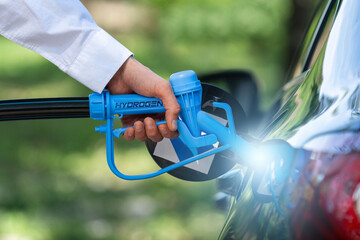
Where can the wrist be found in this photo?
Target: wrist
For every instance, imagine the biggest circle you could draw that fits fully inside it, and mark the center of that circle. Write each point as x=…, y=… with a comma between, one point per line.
x=116, y=85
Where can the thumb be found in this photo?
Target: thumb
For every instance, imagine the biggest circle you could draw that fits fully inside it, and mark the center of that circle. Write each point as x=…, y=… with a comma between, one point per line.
x=143, y=81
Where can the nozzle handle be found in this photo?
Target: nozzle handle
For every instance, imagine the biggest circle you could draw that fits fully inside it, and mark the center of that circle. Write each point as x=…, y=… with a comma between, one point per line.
x=103, y=106
x=188, y=91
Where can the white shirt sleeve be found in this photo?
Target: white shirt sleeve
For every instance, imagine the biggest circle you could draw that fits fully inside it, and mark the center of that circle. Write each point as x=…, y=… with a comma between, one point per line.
x=64, y=32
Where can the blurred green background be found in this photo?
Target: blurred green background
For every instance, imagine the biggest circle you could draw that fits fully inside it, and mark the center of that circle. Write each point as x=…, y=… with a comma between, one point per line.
x=54, y=180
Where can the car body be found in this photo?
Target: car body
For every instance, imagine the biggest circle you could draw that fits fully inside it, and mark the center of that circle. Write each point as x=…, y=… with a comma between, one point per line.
x=316, y=112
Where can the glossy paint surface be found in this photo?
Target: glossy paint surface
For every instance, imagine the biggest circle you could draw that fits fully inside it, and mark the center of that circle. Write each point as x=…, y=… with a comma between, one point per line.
x=319, y=114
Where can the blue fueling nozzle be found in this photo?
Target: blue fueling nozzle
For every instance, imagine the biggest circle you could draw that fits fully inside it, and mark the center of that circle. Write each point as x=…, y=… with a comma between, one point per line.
x=192, y=121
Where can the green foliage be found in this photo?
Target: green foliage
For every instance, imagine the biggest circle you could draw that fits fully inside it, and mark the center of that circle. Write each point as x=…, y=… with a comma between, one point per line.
x=234, y=20
x=228, y=34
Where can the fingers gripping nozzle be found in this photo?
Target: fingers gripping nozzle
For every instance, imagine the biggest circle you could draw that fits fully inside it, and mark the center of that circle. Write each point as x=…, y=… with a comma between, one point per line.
x=192, y=121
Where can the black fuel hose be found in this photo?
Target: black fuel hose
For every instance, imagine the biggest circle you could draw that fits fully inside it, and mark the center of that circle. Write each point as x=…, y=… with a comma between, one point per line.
x=44, y=108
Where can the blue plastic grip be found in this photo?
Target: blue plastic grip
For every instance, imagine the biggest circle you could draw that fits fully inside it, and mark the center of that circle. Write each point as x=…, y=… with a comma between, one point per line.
x=130, y=104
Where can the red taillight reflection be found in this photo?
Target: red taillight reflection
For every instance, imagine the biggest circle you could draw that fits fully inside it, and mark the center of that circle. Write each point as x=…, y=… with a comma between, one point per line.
x=356, y=200
x=331, y=208
x=336, y=195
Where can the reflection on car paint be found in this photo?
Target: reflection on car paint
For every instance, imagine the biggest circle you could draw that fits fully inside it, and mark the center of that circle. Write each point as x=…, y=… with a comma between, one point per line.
x=320, y=196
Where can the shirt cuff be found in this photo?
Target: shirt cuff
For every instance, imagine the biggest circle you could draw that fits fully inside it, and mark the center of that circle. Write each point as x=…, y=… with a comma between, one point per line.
x=98, y=61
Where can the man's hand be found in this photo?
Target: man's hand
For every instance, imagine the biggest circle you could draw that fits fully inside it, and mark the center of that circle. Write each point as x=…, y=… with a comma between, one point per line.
x=133, y=77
